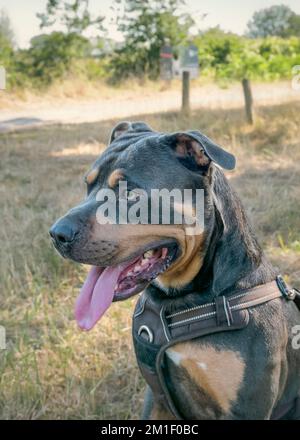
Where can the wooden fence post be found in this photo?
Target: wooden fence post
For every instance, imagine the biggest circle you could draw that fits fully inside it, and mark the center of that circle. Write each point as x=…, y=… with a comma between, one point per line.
x=185, y=107
x=248, y=100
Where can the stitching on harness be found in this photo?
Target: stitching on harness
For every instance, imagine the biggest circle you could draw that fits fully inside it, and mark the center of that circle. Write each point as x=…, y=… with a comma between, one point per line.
x=206, y=315
x=163, y=324
x=211, y=304
x=239, y=306
x=189, y=310
x=242, y=294
x=239, y=296
x=226, y=311
x=139, y=312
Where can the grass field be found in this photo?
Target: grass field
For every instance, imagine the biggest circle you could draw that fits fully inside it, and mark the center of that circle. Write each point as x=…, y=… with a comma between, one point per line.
x=50, y=369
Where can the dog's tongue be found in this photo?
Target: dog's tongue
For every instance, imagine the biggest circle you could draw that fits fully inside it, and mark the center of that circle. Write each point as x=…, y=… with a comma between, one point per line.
x=96, y=295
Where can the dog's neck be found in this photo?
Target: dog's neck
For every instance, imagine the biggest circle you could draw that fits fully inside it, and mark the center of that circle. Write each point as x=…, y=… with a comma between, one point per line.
x=233, y=259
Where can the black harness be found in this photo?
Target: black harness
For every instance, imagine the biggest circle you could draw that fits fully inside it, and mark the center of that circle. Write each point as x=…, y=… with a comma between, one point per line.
x=155, y=330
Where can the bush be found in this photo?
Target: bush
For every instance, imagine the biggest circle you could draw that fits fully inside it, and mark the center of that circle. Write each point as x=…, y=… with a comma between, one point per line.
x=49, y=58
x=6, y=54
x=222, y=55
x=232, y=57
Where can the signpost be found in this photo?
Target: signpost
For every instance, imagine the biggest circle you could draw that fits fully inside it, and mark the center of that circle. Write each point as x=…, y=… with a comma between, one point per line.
x=185, y=67
x=189, y=60
x=189, y=66
x=166, y=63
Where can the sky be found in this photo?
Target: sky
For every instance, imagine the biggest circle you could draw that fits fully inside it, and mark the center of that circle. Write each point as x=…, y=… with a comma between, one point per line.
x=230, y=15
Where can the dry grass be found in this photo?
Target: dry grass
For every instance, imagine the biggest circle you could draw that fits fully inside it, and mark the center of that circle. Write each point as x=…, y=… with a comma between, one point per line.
x=79, y=89
x=148, y=97
x=50, y=369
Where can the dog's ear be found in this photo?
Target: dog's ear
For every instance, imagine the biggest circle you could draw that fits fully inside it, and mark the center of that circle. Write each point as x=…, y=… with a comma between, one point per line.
x=236, y=252
x=126, y=126
x=195, y=149
x=119, y=129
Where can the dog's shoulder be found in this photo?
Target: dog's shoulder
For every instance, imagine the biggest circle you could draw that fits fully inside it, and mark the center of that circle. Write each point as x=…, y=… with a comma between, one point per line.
x=218, y=376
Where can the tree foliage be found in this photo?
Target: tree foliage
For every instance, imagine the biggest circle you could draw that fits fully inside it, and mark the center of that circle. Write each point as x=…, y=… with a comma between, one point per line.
x=74, y=15
x=6, y=44
x=6, y=30
x=294, y=26
x=277, y=20
x=147, y=25
x=215, y=47
x=228, y=56
x=50, y=57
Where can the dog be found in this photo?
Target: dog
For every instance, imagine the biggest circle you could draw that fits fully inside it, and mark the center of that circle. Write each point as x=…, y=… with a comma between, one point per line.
x=242, y=367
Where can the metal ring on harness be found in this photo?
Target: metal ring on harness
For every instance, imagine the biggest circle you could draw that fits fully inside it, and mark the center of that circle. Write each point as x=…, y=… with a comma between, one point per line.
x=289, y=293
x=145, y=328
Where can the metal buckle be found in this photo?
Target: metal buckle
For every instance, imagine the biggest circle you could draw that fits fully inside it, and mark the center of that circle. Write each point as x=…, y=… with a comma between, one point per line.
x=286, y=292
x=297, y=292
x=146, y=329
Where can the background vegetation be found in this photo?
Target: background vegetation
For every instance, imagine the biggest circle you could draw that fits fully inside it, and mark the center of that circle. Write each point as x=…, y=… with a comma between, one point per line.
x=268, y=51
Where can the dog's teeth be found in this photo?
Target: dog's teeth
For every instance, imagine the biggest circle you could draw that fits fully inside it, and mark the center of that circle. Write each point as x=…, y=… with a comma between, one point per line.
x=149, y=254
x=164, y=252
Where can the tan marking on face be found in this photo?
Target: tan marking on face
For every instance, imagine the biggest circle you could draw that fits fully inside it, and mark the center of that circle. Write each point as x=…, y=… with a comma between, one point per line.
x=133, y=239
x=92, y=176
x=191, y=260
x=114, y=177
x=218, y=372
x=188, y=265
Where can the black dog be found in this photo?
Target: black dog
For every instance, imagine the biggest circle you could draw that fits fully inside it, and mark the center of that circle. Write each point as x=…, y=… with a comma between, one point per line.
x=242, y=364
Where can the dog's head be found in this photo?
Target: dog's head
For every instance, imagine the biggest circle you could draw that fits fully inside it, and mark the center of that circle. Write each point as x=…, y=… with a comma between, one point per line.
x=127, y=254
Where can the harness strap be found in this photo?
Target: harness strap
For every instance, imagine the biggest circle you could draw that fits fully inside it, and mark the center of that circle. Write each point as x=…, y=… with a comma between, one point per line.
x=283, y=410
x=156, y=328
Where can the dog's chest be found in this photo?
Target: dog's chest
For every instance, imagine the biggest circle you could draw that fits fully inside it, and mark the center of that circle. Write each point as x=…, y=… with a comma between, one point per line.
x=206, y=380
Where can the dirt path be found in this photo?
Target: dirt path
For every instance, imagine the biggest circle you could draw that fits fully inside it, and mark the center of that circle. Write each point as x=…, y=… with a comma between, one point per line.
x=28, y=115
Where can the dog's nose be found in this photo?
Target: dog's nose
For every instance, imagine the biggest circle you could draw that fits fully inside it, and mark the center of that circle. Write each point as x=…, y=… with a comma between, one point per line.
x=64, y=231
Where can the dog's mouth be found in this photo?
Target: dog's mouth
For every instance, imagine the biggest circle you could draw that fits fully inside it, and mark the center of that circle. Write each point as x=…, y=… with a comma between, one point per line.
x=107, y=284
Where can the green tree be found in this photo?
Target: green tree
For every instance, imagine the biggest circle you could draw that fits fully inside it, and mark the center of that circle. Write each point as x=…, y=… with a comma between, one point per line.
x=51, y=56
x=6, y=28
x=6, y=45
x=280, y=55
x=275, y=21
x=231, y=57
x=74, y=16
x=147, y=25
x=215, y=47
x=294, y=26
x=244, y=63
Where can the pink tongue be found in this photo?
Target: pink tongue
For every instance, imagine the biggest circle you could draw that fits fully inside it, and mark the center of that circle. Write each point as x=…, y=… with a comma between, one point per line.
x=96, y=295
